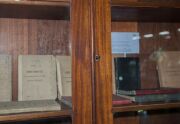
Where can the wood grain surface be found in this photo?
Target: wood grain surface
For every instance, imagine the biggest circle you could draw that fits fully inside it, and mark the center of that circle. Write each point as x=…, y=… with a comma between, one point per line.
x=103, y=66
x=23, y=36
x=82, y=64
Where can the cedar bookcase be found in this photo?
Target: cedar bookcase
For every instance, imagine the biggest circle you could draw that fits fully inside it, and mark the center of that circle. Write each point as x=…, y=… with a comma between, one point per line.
x=82, y=28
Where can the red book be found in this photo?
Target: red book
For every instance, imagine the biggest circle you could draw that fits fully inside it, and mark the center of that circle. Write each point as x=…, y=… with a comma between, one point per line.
x=149, y=91
x=118, y=100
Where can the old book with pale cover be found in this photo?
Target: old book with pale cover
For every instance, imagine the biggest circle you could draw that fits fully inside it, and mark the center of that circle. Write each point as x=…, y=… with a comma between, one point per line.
x=29, y=106
x=37, y=77
x=5, y=78
x=64, y=75
x=169, y=69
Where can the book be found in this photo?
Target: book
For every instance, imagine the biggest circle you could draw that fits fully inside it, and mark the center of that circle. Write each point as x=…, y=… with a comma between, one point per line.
x=5, y=78
x=118, y=100
x=153, y=98
x=37, y=77
x=29, y=106
x=127, y=73
x=64, y=75
x=168, y=66
x=149, y=91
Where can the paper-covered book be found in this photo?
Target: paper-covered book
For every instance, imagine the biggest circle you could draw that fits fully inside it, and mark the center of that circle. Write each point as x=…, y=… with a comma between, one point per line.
x=64, y=75
x=29, y=106
x=5, y=78
x=168, y=66
x=36, y=77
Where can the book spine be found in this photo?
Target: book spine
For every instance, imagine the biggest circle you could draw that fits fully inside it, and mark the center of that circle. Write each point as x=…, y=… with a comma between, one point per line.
x=171, y=91
x=158, y=97
x=20, y=92
x=148, y=92
x=121, y=102
x=121, y=92
x=59, y=79
x=10, y=75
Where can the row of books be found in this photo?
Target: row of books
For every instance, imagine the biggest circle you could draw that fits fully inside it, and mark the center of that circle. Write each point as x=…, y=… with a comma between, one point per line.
x=127, y=77
x=151, y=95
x=42, y=80
x=124, y=97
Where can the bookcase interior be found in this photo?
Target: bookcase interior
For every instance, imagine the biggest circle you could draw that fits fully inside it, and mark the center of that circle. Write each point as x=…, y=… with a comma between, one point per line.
x=147, y=18
x=149, y=76
x=32, y=36
x=34, y=28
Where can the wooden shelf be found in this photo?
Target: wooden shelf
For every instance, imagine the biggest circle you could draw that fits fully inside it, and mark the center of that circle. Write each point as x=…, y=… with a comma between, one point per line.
x=147, y=106
x=145, y=11
x=35, y=9
x=145, y=4
x=65, y=112
x=37, y=2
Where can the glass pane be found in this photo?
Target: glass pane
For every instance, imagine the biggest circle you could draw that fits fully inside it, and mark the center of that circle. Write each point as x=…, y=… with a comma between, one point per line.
x=146, y=52
x=35, y=57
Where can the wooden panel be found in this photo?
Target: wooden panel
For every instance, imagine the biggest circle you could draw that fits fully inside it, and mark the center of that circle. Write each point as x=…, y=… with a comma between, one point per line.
x=82, y=64
x=145, y=14
x=124, y=26
x=34, y=10
x=49, y=37
x=145, y=11
x=23, y=36
x=126, y=118
x=103, y=66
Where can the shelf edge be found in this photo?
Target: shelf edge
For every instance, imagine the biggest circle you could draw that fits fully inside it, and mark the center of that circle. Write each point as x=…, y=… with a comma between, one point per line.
x=34, y=116
x=116, y=3
x=38, y=3
x=137, y=107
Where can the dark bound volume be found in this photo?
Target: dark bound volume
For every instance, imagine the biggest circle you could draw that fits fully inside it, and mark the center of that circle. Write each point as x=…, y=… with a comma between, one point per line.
x=127, y=73
x=67, y=100
x=154, y=98
x=149, y=91
x=118, y=100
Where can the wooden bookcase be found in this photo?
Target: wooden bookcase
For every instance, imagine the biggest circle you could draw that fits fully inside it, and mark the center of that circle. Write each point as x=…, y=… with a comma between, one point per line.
x=82, y=28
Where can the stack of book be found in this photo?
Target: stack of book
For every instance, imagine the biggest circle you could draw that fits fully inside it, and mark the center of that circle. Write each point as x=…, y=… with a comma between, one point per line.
x=151, y=95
